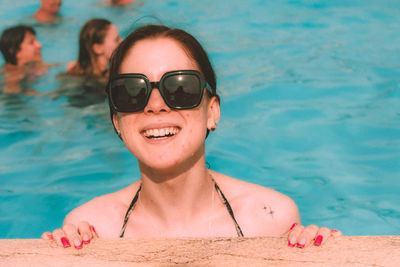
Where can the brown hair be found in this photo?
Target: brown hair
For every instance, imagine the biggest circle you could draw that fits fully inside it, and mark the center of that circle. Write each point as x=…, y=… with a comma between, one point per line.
x=93, y=32
x=10, y=42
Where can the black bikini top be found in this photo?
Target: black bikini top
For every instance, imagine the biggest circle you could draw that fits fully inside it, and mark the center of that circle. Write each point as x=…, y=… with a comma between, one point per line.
x=223, y=198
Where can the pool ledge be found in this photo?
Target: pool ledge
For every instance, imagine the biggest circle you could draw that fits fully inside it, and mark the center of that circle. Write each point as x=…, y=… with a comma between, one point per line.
x=342, y=251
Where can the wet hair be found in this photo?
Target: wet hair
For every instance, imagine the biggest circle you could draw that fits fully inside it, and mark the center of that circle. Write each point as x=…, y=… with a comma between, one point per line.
x=93, y=32
x=192, y=47
x=10, y=42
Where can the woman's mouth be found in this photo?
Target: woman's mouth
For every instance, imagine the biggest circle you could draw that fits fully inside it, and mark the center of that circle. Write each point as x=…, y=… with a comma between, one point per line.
x=160, y=133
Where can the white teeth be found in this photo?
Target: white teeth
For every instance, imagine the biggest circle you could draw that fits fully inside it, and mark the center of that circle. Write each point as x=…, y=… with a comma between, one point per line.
x=162, y=132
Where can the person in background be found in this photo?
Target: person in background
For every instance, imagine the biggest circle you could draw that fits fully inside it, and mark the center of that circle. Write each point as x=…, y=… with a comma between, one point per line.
x=98, y=39
x=23, y=58
x=163, y=103
x=118, y=2
x=48, y=11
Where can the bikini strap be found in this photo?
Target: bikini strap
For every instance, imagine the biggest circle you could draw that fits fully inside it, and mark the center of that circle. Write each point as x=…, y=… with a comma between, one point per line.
x=222, y=196
x=228, y=207
x=128, y=212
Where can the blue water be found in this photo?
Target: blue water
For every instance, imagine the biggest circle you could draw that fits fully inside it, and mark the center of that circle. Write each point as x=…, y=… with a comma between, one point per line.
x=310, y=107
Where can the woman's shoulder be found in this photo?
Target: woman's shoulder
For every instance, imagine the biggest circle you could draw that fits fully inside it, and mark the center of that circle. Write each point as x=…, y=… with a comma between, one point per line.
x=261, y=211
x=106, y=211
x=71, y=65
x=239, y=188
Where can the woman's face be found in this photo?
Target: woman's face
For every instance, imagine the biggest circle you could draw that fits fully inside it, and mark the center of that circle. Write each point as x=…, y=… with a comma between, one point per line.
x=153, y=58
x=111, y=41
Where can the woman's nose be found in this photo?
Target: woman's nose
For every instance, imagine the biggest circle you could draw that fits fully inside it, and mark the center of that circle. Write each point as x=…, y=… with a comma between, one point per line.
x=156, y=103
x=38, y=44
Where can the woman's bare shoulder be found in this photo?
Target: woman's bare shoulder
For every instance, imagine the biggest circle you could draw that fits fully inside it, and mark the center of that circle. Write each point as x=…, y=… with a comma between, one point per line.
x=261, y=211
x=105, y=212
x=71, y=65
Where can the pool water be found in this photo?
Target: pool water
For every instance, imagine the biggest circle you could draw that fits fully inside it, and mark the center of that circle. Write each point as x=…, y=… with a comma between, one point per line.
x=310, y=107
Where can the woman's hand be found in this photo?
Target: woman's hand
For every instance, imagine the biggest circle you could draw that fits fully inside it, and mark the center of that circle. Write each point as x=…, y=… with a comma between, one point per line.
x=72, y=235
x=302, y=237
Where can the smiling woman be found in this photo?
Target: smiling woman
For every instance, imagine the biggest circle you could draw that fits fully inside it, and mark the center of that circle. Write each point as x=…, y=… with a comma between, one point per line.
x=163, y=102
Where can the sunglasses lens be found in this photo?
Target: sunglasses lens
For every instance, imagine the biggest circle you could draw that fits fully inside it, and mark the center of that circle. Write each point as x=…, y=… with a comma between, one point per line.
x=129, y=94
x=182, y=90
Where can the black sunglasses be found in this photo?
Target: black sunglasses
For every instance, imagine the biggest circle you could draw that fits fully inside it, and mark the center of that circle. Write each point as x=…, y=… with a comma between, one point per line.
x=181, y=89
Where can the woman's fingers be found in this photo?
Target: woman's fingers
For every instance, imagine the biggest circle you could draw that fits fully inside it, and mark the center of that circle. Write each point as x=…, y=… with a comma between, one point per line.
x=336, y=233
x=294, y=233
x=322, y=235
x=304, y=236
x=47, y=236
x=72, y=234
x=61, y=239
x=307, y=236
x=85, y=231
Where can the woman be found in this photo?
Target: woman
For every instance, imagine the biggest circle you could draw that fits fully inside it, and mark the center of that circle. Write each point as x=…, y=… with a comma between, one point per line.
x=97, y=40
x=165, y=129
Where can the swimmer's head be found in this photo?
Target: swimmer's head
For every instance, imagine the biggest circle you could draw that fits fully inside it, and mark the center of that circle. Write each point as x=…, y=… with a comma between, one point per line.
x=19, y=45
x=94, y=41
x=188, y=43
x=51, y=6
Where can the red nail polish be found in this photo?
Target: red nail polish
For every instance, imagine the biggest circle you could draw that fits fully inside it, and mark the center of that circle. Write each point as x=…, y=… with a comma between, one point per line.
x=291, y=245
x=94, y=231
x=300, y=245
x=318, y=240
x=50, y=236
x=334, y=231
x=65, y=242
x=86, y=241
x=293, y=225
x=78, y=247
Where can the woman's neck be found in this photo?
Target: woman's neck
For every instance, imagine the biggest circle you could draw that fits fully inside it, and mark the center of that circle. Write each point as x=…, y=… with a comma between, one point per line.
x=177, y=198
x=100, y=67
x=44, y=16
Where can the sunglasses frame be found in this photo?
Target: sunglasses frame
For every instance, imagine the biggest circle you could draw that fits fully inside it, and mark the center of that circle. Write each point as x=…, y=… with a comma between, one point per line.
x=160, y=87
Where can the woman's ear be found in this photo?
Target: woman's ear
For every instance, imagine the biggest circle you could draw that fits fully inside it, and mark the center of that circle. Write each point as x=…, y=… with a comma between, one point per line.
x=116, y=124
x=214, y=113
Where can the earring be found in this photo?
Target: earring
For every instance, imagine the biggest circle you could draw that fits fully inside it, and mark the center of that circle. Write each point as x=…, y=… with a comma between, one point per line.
x=119, y=133
x=213, y=127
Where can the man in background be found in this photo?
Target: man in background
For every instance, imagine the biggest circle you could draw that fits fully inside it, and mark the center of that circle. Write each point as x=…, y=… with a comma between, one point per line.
x=48, y=11
x=22, y=55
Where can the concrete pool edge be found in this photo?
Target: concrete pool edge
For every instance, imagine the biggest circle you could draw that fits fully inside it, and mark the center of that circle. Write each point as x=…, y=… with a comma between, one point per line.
x=260, y=251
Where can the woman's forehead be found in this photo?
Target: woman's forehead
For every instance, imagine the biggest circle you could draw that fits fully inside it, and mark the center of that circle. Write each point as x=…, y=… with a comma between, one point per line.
x=155, y=56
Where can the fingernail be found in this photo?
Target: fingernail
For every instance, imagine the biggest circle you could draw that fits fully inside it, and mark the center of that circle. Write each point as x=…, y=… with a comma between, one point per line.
x=77, y=243
x=86, y=239
x=65, y=242
x=94, y=231
x=334, y=231
x=293, y=225
x=290, y=244
x=318, y=240
x=301, y=243
x=50, y=236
